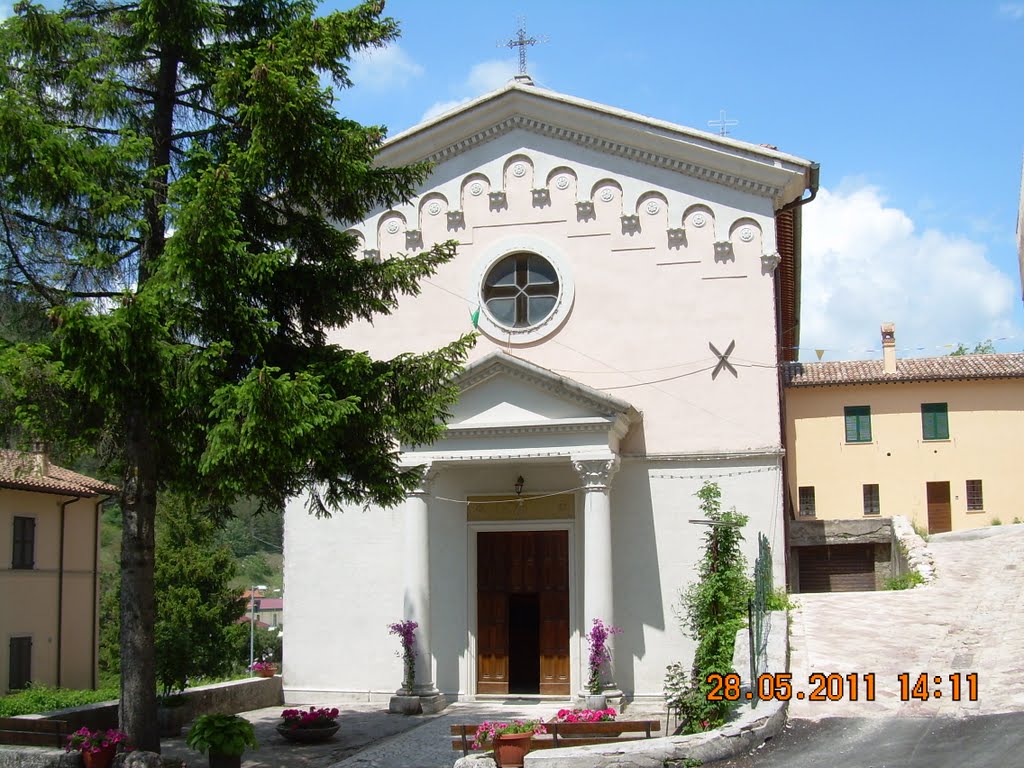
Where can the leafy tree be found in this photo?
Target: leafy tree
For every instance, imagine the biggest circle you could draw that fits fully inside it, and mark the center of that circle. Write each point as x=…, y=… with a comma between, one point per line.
x=196, y=602
x=713, y=609
x=981, y=348
x=174, y=188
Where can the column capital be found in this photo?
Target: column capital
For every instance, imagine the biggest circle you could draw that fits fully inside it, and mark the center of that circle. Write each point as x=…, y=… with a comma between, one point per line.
x=430, y=473
x=596, y=474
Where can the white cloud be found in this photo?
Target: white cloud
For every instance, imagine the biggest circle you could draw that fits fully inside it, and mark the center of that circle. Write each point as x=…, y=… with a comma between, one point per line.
x=382, y=69
x=864, y=263
x=483, y=77
x=1014, y=11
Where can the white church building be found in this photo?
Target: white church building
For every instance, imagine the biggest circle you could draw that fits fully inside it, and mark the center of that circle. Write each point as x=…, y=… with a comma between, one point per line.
x=637, y=287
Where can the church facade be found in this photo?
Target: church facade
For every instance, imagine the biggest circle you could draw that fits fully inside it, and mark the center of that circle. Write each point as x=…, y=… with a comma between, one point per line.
x=634, y=284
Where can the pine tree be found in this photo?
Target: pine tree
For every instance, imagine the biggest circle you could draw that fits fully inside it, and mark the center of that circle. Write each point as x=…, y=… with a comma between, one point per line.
x=174, y=187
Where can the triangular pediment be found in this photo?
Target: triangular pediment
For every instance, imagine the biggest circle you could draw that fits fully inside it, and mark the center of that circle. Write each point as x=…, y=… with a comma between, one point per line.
x=753, y=168
x=500, y=390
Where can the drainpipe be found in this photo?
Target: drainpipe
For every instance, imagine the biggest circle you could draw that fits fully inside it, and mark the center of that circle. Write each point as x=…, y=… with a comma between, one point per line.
x=96, y=584
x=787, y=506
x=60, y=591
x=812, y=185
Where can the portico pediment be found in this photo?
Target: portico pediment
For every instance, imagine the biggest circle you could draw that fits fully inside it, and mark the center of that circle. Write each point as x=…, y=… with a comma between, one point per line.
x=511, y=407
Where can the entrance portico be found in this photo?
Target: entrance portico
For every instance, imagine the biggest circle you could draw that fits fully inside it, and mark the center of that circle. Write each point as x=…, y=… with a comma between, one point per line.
x=530, y=571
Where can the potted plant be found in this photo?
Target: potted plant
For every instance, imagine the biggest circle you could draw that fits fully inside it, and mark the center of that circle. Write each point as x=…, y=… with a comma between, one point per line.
x=600, y=654
x=406, y=631
x=511, y=740
x=309, y=725
x=606, y=715
x=97, y=747
x=584, y=715
x=224, y=737
x=264, y=668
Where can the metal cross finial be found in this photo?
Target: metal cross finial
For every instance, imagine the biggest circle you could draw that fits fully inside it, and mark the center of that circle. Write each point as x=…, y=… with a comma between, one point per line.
x=722, y=123
x=520, y=41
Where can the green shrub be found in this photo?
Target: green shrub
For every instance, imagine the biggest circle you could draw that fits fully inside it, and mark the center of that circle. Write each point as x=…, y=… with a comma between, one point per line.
x=37, y=699
x=711, y=611
x=779, y=600
x=995, y=521
x=908, y=580
x=920, y=530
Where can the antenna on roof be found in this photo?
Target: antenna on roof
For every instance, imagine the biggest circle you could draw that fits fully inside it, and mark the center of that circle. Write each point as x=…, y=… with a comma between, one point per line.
x=722, y=123
x=521, y=41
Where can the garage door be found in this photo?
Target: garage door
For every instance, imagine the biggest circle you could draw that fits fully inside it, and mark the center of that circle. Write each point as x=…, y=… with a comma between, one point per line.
x=839, y=568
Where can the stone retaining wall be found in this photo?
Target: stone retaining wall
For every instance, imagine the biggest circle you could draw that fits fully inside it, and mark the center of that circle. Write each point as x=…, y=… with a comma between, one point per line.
x=909, y=551
x=230, y=698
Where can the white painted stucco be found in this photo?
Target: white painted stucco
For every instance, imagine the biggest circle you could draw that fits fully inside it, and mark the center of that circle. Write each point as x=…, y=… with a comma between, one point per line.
x=623, y=374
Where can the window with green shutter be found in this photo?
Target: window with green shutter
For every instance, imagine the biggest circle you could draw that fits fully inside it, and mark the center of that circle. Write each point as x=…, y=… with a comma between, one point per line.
x=934, y=421
x=858, y=423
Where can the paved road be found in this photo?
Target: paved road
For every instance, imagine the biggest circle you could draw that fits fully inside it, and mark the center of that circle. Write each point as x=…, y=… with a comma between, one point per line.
x=970, y=620
x=985, y=741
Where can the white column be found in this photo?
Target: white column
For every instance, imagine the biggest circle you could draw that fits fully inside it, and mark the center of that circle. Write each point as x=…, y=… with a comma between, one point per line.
x=598, y=585
x=416, y=559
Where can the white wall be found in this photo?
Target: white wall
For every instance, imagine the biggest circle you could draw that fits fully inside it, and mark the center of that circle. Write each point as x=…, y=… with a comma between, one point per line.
x=337, y=645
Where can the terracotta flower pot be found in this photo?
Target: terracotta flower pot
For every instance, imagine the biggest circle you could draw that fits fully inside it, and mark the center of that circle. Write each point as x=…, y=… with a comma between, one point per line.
x=510, y=749
x=101, y=759
x=266, y=672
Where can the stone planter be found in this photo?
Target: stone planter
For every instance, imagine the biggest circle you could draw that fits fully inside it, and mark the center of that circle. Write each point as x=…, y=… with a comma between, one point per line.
x=596, y=701
x=308, y=735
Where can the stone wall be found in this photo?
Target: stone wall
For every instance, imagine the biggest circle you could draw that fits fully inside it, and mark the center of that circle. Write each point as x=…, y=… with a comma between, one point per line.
x=230, y=698
x=909, y=551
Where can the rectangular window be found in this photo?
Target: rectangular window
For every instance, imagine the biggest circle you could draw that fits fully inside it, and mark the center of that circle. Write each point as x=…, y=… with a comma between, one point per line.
x=934, y=421
x=807, y=501
x=858, y=423
x=871, y=505
x=20, y=668
x=975, y=499
x=23, y=555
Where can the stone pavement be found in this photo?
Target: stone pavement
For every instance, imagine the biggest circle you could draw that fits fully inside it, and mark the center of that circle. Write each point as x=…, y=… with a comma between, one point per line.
x=971, y=619
x=370, y=737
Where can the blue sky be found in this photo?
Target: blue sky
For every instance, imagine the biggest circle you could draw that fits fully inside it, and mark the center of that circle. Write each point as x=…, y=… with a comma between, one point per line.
x=913, y=109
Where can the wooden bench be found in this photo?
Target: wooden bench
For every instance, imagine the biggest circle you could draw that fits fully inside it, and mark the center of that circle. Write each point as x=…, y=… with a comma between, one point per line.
x=569, y=734
x=33, y=732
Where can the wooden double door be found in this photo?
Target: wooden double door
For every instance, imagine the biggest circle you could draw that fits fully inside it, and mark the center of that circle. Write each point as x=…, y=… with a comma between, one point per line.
x=523, y=612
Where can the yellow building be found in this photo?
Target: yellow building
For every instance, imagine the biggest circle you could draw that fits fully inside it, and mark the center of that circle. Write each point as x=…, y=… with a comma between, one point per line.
x=937, y=440
x=49, y=525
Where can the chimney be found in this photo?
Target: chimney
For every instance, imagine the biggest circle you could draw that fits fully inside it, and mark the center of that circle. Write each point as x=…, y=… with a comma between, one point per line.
x=889, y=347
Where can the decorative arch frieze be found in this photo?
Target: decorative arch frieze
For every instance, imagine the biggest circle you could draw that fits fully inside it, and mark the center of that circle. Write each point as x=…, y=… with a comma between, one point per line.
x=524, y=189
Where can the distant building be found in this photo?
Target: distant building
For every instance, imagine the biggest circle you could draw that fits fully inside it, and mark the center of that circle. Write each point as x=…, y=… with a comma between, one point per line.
x=934, y=439
x=49, y=523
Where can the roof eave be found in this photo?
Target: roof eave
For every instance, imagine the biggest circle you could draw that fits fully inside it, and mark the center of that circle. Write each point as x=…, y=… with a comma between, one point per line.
x=788, y=173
